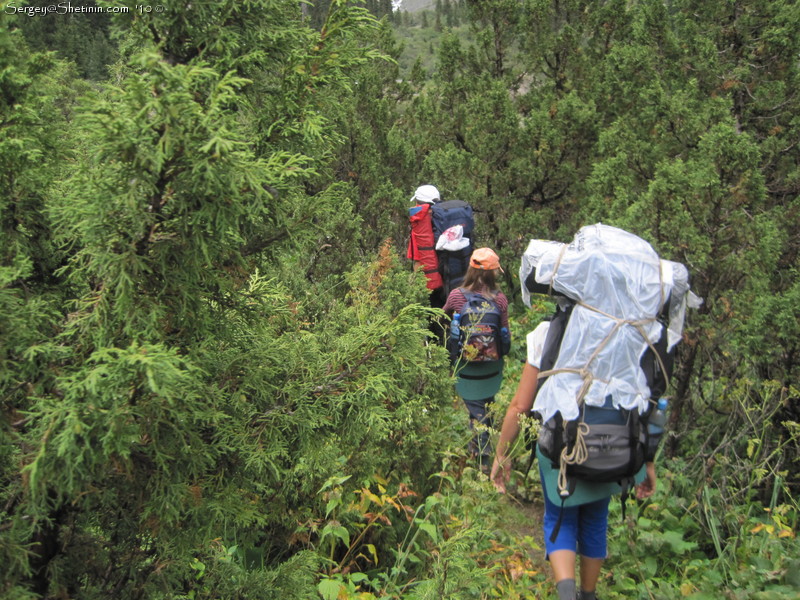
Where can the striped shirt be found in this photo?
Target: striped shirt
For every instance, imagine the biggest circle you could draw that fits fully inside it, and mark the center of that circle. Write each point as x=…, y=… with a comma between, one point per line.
x=456, y=301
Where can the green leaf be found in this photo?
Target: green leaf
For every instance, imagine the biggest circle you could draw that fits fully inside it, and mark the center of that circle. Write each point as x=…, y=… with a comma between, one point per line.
x=430, y=529
x=677, y=543
x=329, y=588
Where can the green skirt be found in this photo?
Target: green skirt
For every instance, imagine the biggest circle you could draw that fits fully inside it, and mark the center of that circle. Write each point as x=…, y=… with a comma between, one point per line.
x=585, y=492
x=478, y=381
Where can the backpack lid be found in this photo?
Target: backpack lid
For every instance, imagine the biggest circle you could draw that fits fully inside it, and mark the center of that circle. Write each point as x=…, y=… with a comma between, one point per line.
x=613, y=276
x=452, y=212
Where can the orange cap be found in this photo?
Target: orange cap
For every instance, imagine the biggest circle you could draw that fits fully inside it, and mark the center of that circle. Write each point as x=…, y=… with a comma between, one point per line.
x=486, y=259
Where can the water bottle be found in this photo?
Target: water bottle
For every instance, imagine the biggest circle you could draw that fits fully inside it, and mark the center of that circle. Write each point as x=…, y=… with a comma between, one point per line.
x=658, y=418
x=455, y=326
x=505, y=339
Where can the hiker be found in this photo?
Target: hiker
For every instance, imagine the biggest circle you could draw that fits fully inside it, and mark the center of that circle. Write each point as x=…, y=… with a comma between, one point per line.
x=477, y=381
x=421, y=244
x=592, y=376
x=441, y=240
x=585, y=521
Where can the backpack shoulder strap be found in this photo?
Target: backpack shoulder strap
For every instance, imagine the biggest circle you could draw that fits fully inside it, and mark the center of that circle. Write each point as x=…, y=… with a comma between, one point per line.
x=469, y=295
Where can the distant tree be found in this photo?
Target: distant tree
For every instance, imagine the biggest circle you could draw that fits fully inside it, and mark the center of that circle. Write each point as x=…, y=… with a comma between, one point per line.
x=495, y=24
x=81, y=37
x=447, y=12
x=418, y=74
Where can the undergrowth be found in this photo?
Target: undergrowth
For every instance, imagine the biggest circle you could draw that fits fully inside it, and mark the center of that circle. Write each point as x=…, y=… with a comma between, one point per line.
x=721, y=525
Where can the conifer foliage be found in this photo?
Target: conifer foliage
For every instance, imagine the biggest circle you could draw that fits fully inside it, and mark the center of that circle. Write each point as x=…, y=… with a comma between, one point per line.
x=170, y=408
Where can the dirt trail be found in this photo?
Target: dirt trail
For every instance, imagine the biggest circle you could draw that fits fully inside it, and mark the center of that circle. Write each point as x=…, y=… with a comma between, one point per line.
x=521, y=518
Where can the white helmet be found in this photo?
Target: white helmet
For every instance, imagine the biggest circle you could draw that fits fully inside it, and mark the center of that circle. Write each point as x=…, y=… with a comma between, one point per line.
x=426, y=193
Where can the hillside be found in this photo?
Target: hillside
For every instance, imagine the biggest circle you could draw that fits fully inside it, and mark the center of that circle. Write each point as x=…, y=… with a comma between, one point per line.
x=413, y=6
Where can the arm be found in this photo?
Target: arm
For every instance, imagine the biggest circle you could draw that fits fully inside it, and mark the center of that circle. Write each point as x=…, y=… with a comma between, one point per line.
x=503, y=306
x=520, y=405
x=648, y=486
x=455, y=302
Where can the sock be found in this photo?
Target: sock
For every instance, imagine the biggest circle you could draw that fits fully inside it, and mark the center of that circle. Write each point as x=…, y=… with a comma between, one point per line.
x=588, y=595
x=566, y=589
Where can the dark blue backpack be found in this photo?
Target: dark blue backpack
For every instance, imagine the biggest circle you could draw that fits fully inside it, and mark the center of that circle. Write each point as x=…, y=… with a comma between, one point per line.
x=481, y=338
x=453, y=264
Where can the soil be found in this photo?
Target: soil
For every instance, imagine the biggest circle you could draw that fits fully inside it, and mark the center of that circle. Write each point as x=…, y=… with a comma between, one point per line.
x=526, y=521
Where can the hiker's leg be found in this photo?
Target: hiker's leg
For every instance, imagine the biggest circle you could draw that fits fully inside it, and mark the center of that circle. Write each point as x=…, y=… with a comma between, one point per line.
x=438, y=297
x=438, y=326
x=563, y=564
x=566, y=588
x=592, y=541
x=561, y=552
x=590, y=573
x=479, y=445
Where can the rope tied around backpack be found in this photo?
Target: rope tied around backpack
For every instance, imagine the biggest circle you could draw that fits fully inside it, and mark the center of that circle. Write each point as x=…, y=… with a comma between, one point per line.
x=579, y=452
x=585, y=372
x=638, y=324
x=555, y=269
x=578, y=455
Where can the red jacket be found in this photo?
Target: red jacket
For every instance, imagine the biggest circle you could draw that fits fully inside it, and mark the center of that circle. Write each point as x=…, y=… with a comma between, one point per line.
x=421, y=246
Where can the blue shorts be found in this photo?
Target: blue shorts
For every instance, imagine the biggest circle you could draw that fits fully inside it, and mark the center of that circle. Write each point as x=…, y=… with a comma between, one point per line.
x=583, y=528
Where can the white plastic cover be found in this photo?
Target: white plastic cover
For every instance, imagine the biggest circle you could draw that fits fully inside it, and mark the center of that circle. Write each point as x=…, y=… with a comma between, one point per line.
x=613, y=276
x=452, y=239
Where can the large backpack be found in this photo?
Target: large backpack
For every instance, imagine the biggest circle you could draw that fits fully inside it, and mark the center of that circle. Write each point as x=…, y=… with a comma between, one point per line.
x=480, y=339
x=610, y=344
x=453, y=264
x=617, y=441
x=614, y=443
x=421, y=244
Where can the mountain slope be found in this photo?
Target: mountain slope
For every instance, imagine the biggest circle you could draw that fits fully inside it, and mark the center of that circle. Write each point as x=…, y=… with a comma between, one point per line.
x=414, y=5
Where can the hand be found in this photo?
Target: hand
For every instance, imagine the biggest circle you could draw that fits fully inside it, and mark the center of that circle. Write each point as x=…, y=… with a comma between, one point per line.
x=648, y=486
x=501, y=473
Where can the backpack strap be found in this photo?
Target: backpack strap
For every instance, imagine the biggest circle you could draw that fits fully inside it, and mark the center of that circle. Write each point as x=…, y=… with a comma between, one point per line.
x=478, y=377
x=627, y=486
x=634, y=426
x=530, y=462
x=570, y=490
x=552, y=343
